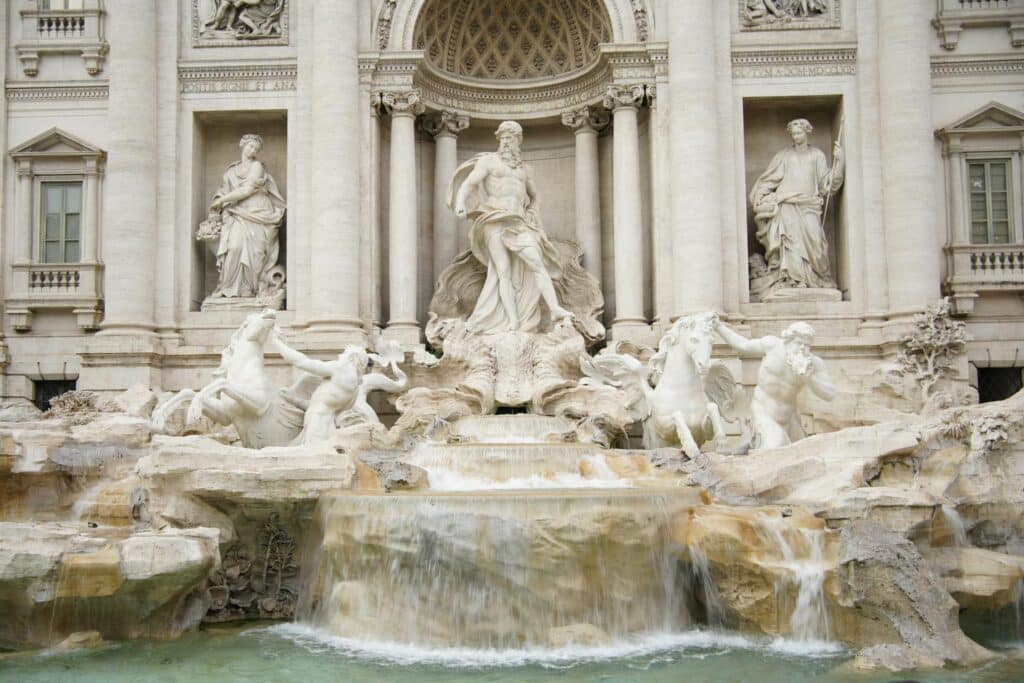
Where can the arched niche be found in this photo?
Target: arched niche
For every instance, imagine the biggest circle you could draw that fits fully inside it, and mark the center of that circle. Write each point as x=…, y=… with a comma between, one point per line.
x=401, y=17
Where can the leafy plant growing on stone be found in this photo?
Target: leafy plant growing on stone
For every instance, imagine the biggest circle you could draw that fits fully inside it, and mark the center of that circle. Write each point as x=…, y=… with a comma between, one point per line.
x=929, y=352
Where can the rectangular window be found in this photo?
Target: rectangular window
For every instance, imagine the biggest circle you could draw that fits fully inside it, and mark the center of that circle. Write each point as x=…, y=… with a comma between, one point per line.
x=989, y=182
x=61, y=222
x=59, y=5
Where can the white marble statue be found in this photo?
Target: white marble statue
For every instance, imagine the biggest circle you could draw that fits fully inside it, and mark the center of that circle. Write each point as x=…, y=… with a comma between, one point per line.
x=684, y=407
x=242, y=393
x=344, y=386
x=496, y=191
x=787, y=367
x=788, y=199
x=767, y=12
x=244, y=219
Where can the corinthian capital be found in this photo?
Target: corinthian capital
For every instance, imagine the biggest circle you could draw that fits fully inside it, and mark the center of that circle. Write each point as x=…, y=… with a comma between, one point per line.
x=625, y=96
x=585, y=118
x=402, y=103
x=446, y=122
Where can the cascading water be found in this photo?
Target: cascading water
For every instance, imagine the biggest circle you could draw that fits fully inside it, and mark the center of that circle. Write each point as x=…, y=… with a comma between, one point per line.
x=496, y=570
x=805, y=567
x=955, y=524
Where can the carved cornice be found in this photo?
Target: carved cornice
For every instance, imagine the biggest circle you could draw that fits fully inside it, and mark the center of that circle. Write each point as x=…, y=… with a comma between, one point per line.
x=446, y=123
x=840, y=61
x=237, y=78
x=989, y=66
x=49, y=93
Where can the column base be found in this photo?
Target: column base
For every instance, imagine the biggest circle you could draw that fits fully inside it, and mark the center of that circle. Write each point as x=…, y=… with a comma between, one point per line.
x=407, y=334
x=635, y=331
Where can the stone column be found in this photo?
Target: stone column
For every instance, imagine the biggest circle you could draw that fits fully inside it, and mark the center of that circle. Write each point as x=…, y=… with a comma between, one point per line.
x=445, y=127
x=129, y=209
x=585, y=124
x=25, y=228
x=335, y=187
x=630, y=323
x=403, y=325
x=661, y=219
x=908, y=160
x=91, y=222
x=694, y=180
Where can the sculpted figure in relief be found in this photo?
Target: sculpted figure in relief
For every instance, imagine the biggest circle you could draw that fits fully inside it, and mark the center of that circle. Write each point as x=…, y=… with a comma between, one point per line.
x=759, y=12
x=496, y=191
x=344, y=386
x=787, y=200
x=787, y=367
x=246, y=19
x=244, y=219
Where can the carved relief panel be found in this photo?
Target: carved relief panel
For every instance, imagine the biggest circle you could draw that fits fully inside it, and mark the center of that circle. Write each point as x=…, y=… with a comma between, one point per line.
x=781, y=15
x=236, y=23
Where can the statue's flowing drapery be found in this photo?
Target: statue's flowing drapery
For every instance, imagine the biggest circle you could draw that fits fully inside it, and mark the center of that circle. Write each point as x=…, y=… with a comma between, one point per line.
x=248, y=246
x=787, y=200
x=517, y=232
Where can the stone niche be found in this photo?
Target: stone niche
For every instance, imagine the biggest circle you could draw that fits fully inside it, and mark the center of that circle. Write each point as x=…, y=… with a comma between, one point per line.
x=216, y=139
x=765, y=134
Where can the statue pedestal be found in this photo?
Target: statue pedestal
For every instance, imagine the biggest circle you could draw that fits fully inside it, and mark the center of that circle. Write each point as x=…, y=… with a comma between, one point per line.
x=242, y=303
x=786, y=295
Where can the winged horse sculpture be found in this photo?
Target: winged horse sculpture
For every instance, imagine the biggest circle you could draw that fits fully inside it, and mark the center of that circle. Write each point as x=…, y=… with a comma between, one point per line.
x=681, y=394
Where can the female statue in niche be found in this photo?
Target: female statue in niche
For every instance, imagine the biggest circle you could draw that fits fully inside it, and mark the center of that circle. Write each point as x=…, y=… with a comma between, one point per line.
x=244, y=218
x=788, y=199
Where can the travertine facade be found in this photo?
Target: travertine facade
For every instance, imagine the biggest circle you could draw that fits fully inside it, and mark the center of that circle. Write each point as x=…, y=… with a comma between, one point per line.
x=646, y=124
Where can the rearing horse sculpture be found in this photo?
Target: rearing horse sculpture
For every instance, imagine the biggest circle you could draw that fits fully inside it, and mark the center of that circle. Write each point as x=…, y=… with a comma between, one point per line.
x=690, y=392
x=243, y=395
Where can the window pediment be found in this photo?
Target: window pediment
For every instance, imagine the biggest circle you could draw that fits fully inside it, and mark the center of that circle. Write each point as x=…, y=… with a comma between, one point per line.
x=993, y=117
x=56, y=143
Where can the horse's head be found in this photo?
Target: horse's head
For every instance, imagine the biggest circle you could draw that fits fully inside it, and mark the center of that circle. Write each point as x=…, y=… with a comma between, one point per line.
x=258, y=325
x=695, y=336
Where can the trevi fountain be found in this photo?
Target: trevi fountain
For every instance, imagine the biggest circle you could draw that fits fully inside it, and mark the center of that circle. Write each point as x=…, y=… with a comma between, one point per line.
x=572, y=454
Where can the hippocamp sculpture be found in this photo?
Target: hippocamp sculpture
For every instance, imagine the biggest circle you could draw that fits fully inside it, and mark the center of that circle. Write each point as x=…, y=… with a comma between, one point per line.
x=681, y=393
x=242, y=393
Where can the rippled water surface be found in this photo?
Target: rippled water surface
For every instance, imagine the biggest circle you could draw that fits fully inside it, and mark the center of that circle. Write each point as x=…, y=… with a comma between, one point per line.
x=295, y=653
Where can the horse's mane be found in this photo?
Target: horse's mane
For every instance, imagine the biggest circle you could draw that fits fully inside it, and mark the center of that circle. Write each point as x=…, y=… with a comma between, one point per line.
x=229, y=351
x=703, y=321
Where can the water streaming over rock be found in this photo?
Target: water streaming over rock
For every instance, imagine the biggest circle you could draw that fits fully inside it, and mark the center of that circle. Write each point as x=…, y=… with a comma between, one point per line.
x=955, y=524
x=803, y=558
x=495, y=570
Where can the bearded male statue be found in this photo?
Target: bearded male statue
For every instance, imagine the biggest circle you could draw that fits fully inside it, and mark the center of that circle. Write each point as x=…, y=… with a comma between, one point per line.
x=496, y=191
x=787, y=367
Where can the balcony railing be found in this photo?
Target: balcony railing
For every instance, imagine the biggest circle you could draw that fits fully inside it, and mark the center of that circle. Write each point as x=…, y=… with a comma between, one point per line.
x=976, y=268
x=953, y=16
x=55, y=286
x=62, y=31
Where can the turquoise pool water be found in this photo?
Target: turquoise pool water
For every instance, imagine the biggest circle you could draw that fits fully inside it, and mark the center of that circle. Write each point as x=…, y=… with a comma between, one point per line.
x=294, y=653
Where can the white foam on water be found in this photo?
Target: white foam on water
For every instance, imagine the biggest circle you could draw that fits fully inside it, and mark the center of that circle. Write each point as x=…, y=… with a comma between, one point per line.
x=603, y=477
x=696, y=643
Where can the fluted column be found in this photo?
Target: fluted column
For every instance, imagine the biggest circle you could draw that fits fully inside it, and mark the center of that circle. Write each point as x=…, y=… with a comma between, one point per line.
x=445, y=127
x=585, y=124
x=694, y=181
x=624, y=101
x=335, y=186
x=25, y=229
x=129, y=216
x=403, y=325
x=908, y=161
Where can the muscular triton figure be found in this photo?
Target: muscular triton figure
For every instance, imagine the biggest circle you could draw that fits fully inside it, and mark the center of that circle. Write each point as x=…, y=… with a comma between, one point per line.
x=787, y=366
x=497, y=193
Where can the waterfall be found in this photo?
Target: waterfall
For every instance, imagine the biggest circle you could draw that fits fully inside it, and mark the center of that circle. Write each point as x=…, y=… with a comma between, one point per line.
x=496, y=570
x=808, y=621
x=700, y=571
x=955, y=523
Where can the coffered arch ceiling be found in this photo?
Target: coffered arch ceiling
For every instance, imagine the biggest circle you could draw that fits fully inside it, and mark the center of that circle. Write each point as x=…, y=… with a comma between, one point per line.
x=511, y=39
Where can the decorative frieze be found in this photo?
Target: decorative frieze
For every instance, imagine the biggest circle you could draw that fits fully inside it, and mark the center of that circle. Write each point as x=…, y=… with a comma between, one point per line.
x=237, y=78
x=801, y=62
x=776, y=15
x=228, y=23
x=969, y=67
x=21, y=92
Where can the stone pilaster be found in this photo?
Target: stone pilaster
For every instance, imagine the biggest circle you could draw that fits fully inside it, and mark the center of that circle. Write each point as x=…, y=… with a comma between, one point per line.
x=129, y=208
x=25, y=227
x=445, y=127
x=403, y=324
x=91, y=222
x=335, y=188
x=694, y=182
x=624, y=102
x=585, y=124
x=910, y=211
